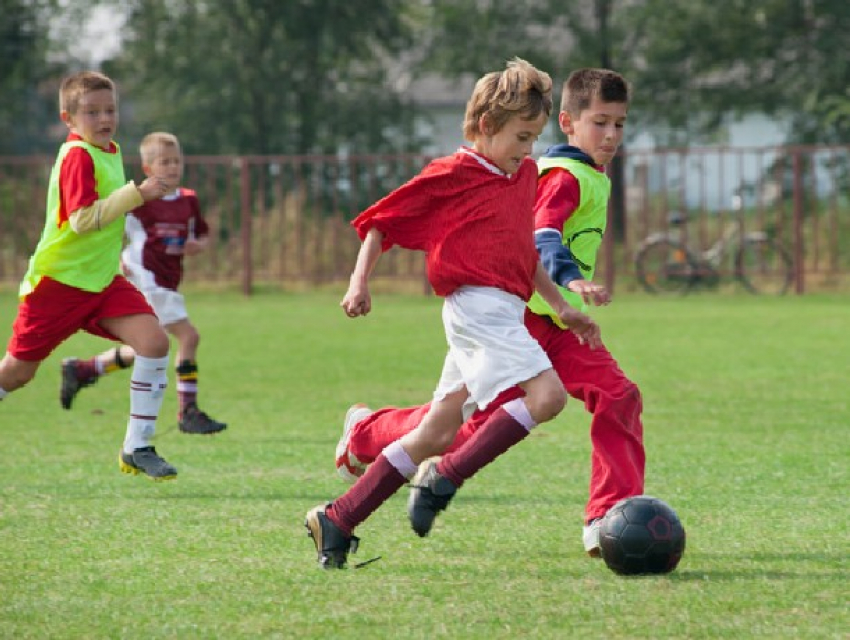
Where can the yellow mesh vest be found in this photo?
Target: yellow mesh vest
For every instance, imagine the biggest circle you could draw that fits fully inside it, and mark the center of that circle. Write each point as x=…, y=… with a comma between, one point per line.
x=582, y=233
x=89, y=261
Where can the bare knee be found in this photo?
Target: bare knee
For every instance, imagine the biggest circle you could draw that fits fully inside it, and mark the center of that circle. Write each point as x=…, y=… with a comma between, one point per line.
x=546, y=402
x=15, y=373
x=549, y=406
x=153, y=345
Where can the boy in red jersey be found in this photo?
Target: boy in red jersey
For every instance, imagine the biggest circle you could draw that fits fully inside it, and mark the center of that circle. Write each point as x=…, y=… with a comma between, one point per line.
x=160, y=233
x=74, y=282
x=570, y=218
x=472, y=213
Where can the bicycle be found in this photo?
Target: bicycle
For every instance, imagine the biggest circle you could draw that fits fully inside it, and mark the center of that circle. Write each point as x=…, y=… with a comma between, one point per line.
x=664, y=263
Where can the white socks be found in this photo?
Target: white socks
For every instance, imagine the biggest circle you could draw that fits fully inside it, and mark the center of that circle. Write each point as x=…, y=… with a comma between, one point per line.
x=399, y=458
x=518, y=411
x=147, y=388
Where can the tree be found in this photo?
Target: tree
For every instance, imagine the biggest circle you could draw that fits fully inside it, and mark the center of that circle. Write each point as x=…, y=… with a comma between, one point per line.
x=263, y=76
x=29, y=100
x=702, y=61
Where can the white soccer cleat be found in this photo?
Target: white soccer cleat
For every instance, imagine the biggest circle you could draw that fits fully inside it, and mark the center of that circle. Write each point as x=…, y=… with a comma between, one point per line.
x=590, y=538
x=348, y=466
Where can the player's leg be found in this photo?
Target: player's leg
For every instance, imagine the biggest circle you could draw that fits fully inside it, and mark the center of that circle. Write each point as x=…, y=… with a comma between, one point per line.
x=190, y=418
x=15, y=373
x=78, y=374
x=147, y=387
x=124, y=314
x=365, y=433
x=437, y=481
x=616, y=431
x=331, y=526
x=46, y=317
x=492, y=351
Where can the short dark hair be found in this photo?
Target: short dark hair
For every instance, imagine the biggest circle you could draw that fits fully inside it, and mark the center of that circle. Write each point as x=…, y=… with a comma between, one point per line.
x=75, y=86
x=583, y=85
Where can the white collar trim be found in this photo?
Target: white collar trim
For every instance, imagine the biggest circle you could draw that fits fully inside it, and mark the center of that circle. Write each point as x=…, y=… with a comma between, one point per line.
x=483, y=161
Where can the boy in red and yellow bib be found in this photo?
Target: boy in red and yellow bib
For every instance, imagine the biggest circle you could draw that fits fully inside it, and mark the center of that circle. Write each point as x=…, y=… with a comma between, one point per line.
x=74, y=282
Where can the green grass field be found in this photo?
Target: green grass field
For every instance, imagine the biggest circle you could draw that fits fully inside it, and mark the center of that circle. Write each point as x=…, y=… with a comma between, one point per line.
x=747, y=424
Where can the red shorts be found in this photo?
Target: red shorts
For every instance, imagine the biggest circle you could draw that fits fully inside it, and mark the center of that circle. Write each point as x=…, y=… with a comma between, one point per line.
x=54, y=312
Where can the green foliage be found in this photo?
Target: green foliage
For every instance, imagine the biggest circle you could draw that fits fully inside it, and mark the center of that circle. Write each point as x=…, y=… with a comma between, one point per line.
x=310, y=76
x=746, y=432
x=697, y=62
x=28, y=100
x=693, y=64
x=262, y=77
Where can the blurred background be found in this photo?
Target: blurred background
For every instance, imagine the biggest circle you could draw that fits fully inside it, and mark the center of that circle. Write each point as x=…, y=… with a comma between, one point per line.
x=296, y=114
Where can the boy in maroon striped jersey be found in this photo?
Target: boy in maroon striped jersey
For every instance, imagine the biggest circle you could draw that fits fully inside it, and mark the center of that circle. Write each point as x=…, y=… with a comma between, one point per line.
x=471, y=212
x=160, y=233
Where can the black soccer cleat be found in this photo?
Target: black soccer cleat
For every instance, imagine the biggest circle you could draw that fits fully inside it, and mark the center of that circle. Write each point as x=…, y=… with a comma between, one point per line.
x=430, y=493
x=332, y=545
x=196, y=421
x=146, y=460
x=71, y=384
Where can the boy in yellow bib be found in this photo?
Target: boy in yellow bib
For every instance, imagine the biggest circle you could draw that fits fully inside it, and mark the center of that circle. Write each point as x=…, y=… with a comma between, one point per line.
x=74, y=281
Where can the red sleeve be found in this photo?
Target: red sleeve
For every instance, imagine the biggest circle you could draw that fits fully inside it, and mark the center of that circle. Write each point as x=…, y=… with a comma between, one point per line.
x=77, y=186
x=409, y=215
x=558, y=196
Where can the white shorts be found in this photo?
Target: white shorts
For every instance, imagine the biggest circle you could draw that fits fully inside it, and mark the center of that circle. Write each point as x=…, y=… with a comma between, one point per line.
x=168, y=305
x=490, y=349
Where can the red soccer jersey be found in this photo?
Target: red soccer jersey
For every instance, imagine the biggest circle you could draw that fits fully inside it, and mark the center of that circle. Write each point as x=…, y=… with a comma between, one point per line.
x=166, y=224
x=474, y=221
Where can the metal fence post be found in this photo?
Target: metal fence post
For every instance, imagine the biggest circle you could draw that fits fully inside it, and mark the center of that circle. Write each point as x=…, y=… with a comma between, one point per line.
x=245, y=206
x=799, y=252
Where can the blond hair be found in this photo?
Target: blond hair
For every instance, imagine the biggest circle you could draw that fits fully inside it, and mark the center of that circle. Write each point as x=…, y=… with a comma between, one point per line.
x=76, y=86
x=153, y=144
x=520, y=90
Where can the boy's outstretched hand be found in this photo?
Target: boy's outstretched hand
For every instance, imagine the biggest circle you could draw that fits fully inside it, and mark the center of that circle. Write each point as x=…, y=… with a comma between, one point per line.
x=583, y=326
x=591, y=293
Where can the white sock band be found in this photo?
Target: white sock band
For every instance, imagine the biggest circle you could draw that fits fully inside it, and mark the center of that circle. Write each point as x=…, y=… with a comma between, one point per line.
x=147, y=387
x=518, y=411
x=3, y=393
x=398, y=457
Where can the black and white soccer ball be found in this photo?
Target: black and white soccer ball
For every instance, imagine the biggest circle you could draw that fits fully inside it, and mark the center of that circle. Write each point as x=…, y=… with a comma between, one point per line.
x=641, y=535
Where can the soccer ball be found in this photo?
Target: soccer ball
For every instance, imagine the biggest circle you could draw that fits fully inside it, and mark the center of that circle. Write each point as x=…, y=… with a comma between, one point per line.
x=641, y=535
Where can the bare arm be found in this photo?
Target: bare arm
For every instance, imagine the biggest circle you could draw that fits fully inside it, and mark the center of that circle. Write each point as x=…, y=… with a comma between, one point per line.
x=357, y=300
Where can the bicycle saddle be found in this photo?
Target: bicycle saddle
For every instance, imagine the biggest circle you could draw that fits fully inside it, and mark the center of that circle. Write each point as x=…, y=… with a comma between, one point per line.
x=675, y=218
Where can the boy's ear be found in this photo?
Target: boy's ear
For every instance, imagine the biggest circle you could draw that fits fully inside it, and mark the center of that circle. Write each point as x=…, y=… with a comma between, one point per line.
x=565, y=121
x=484, y=125
x=147, y=170
x=65, y=116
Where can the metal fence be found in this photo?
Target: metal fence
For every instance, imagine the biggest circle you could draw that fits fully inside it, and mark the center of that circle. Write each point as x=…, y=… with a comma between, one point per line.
x=282, y=221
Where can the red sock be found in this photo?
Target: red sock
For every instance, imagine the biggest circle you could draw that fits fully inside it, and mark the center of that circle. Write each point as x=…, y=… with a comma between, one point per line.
x=87, y=370
x=371, y=490
x=495, y=436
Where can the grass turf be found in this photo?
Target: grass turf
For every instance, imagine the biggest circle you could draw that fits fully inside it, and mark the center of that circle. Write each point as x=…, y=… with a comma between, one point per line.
x=746, y=421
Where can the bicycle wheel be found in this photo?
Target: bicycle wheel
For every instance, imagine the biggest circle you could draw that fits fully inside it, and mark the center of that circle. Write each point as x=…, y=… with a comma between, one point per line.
x=762, y=266
x=665, y=266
